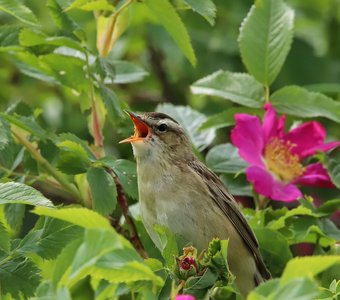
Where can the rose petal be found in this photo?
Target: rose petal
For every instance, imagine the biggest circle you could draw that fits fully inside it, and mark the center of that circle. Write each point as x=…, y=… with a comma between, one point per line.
x=269, y=122
x=265, y=184
x=315, y=175
x=305, y=137
x=247, y=136
x=323, y=148
x=281, y=126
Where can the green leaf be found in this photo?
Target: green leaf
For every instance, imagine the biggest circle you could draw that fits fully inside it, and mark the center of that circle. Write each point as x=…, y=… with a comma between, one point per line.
x=238, y=186
x=240, y=88
x=97, y=242
x=166, y=15
x=79, y=216
x=5, y=133
x=298, y=211
x=168, y=245
x=227, y=118
x=112, y=103
x=26, y=123
x=224, y=158
x=124, y=72
x=9, y=37
x=205, y=8
x=308, y=266
x=14, y=192
x=297, y=101
x=19, y=11
x=297, y=289
x=5, y=239
x=90, y=5
x=333, y=169
x=329, y=207
x=73, y=158
x=48, y=241
x=59, y=17
x=191, y=121
x=14, y=215
x=126, y=172
x=265, y=38
x=131, y=271
x=64, y=262
x=29, y=38
x=17, y=276
x=103, y=190
x=274, y=249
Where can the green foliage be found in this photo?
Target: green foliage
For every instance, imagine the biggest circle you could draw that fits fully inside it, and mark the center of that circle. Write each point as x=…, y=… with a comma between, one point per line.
x=236, y=87
x=265, y=39
x=103, y=190
x=14, y=192
x=166, y=15
x=19, y=11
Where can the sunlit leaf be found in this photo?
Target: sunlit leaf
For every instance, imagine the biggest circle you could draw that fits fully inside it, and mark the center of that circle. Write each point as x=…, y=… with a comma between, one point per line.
x=14, y=192
x=122, y=72
x=79, y=216
x=166, y=15
x=265, y=38
x=240, y=88
x=308, y=266
x=90, y=5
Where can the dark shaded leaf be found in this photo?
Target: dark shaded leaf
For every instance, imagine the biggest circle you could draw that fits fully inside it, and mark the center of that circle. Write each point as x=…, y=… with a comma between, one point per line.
x=224, y=158
x=103, y=190
x=19, y=275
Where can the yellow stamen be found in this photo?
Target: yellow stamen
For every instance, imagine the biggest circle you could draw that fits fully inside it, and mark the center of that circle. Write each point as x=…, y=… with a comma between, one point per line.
x=281, y=161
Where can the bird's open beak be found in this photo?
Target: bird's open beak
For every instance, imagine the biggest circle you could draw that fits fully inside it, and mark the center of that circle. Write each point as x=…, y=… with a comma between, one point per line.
x=141, y=129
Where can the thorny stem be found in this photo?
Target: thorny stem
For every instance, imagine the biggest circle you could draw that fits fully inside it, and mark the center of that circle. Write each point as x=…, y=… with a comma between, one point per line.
x=110, y=29
x=48, y=167
x=134, y=238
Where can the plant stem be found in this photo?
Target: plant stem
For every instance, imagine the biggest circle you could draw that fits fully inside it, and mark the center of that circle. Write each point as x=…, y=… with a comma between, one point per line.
x=109, y=32
x=125, y=210
x=267, y=93
x=48, y=167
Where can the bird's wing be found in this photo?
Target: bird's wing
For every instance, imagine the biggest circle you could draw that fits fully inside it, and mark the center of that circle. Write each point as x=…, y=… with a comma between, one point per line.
x=228, y=205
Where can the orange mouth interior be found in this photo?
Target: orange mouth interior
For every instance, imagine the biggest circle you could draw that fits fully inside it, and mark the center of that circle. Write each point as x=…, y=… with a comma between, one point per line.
x=141, y=129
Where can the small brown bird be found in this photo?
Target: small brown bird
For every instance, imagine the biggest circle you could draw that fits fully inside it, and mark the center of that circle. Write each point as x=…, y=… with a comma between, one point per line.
x=179, y=192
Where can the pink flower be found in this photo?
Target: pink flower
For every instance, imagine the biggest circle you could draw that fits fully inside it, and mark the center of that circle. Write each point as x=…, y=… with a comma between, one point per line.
x=275, y=157
x=185, y=297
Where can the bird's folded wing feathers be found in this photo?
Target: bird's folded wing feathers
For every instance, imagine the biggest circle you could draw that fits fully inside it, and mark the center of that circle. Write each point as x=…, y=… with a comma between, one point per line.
x=228, y=205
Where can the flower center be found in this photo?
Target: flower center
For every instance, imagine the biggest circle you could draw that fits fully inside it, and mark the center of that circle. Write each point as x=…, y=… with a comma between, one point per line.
x=281, y=161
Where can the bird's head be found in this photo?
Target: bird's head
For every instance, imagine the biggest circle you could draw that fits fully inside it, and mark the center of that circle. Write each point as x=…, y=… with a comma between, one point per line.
x=158, y=135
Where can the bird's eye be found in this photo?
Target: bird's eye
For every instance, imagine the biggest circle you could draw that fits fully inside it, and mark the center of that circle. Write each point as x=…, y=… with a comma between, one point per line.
x=162, y=127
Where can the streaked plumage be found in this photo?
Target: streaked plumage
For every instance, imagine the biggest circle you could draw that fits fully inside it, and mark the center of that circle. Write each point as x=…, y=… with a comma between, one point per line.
x=176, y=190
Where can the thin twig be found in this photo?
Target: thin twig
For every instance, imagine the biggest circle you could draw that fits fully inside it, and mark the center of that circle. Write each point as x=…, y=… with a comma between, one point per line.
x=134, y=238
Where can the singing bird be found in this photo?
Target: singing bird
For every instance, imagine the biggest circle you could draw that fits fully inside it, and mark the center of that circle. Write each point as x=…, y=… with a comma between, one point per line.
x=179, y=192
